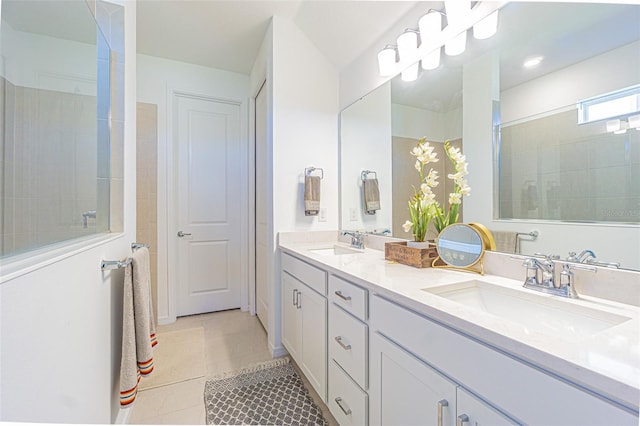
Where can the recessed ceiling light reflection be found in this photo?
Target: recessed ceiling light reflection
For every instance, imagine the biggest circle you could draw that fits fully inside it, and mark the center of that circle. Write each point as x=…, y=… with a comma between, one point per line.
x=532, y=62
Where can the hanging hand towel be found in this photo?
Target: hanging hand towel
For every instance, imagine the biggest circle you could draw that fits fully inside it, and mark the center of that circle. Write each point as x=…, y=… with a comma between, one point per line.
x=311, y=195
x=371, y=195
x=506, y=241
x=138, y=326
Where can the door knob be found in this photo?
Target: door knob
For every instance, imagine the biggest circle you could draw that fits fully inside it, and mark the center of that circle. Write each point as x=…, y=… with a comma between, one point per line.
x=183, y=234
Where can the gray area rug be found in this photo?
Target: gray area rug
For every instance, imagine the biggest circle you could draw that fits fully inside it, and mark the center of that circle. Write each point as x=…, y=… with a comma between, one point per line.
x=268, y=394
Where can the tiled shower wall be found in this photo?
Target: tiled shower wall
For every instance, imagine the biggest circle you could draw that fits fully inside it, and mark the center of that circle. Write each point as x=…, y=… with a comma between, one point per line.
x=49, y=167
x=147, y=186
x=552, y=168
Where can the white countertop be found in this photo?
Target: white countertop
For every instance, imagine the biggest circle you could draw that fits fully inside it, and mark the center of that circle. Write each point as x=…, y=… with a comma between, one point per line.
x=607, y=362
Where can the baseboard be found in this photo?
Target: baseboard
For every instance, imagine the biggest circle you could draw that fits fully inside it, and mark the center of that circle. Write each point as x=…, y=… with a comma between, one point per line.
x=277, y=351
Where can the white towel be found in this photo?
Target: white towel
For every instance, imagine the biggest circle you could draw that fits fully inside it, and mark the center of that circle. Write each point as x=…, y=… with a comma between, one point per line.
x=311, y=195
x=138, y=326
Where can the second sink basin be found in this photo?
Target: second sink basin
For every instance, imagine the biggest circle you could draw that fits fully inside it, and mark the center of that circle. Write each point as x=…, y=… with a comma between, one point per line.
x=335, y=250
x=549, y=315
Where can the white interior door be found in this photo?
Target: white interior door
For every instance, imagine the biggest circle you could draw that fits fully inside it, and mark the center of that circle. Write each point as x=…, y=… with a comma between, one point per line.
x=208, y=163
x=262, y=297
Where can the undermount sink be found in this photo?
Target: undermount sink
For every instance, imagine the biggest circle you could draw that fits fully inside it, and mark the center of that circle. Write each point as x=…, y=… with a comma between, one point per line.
x=335, y=250
x=549, y=315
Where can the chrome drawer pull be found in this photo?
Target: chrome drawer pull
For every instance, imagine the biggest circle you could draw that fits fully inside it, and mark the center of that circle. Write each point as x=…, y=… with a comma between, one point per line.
x=345, y=347
x=295, y=294
x=462, y=419
x=441, y=403
x=341, y=404
x=342, y=296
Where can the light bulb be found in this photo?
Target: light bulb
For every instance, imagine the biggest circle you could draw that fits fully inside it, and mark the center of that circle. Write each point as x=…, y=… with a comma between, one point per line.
x=432, y=60
x=613, y=125
x=387, y=61
x=411, y=73
x=456, y=45
x=407, y=45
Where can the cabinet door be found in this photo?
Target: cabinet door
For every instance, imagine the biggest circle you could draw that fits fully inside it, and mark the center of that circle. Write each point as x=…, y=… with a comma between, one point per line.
x=314, y=339
x=405, y=391
x=291, y=315
x=474, y=412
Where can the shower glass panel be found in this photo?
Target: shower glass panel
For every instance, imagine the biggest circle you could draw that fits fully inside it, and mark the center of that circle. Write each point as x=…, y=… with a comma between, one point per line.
x=54, y=125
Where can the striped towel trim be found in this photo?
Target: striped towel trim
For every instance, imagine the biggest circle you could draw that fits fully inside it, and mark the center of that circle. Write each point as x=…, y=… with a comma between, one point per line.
x=145, y=368
x=127, y=397
x=154, y=340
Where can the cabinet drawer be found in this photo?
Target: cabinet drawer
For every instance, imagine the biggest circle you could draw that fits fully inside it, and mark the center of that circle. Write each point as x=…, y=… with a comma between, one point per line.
x=350, y=297
x=348, y=344
x=310, y=275
x=347, y=402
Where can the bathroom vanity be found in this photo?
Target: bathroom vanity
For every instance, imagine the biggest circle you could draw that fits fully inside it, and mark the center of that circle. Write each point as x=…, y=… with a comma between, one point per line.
x=385, y=343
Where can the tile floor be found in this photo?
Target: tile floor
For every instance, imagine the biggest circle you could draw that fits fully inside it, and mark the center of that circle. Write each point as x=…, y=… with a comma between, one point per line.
x=233, y=340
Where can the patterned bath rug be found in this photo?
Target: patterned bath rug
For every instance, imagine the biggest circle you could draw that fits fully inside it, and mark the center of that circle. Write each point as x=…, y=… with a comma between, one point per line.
x=270, y=393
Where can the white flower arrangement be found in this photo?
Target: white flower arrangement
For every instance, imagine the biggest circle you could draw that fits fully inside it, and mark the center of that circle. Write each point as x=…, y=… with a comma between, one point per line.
x=423, y=206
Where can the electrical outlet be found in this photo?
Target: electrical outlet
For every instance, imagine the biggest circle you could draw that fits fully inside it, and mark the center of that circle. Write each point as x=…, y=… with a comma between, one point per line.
x=353, y=214
x=322, y=217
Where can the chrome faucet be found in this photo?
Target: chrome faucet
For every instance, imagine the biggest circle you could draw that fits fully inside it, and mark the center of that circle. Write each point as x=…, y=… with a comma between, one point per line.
x=545, y=269
x=86, y=215
x=357, y=239
x=583, y=257
x=589, y=257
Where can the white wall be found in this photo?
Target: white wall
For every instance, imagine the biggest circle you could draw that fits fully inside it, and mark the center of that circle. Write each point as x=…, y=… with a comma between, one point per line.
x=157, y=79
x=411, y=122
x=59, y=321
x=302, y=99
x=365, y=144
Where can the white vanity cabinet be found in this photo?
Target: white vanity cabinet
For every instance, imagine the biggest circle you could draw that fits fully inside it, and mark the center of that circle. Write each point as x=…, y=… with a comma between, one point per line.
x=518, y=391
x=304, y=319
x=408, y=391
x=348, y=352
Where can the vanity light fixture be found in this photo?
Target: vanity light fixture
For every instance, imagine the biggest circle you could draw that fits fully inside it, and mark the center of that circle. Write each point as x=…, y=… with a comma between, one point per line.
x=487, y=27
x=623, y=128
x=387, y=60
x=613, y=125
x=483, y=18
x=430, y=26
x=407, y=49
x=634, y=122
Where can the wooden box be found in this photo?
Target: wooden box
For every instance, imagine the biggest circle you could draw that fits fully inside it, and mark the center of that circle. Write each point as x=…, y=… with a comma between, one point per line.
x=417, y=257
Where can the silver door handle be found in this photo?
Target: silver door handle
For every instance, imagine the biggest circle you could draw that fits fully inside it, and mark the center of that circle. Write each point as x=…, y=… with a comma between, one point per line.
x=342, y=296
x=342, y=406
x=462, y=419
x=298, y=303
x=295, y=296
x=183, y=234
x=339, y=340
x=441, y=403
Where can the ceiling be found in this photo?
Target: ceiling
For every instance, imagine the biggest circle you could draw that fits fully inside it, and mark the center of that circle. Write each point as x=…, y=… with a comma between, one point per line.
x=228, y=34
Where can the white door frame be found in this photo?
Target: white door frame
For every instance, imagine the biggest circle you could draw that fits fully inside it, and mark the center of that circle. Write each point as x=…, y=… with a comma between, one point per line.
x=169, y=238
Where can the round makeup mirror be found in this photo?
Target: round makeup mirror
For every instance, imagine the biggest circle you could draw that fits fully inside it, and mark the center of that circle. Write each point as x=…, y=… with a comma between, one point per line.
x=461, y=246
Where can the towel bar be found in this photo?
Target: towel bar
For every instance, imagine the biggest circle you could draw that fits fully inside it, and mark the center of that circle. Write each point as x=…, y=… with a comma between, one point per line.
x=364, y=174
x=107, y=265
x=309, y=170
x=533, y=234
x=135, y=246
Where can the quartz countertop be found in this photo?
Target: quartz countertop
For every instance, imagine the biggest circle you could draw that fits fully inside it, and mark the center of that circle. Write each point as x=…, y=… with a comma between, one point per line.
x=607, y=362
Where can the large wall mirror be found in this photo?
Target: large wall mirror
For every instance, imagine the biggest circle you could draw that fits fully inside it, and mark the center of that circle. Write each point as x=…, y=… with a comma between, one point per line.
x=575, y=185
